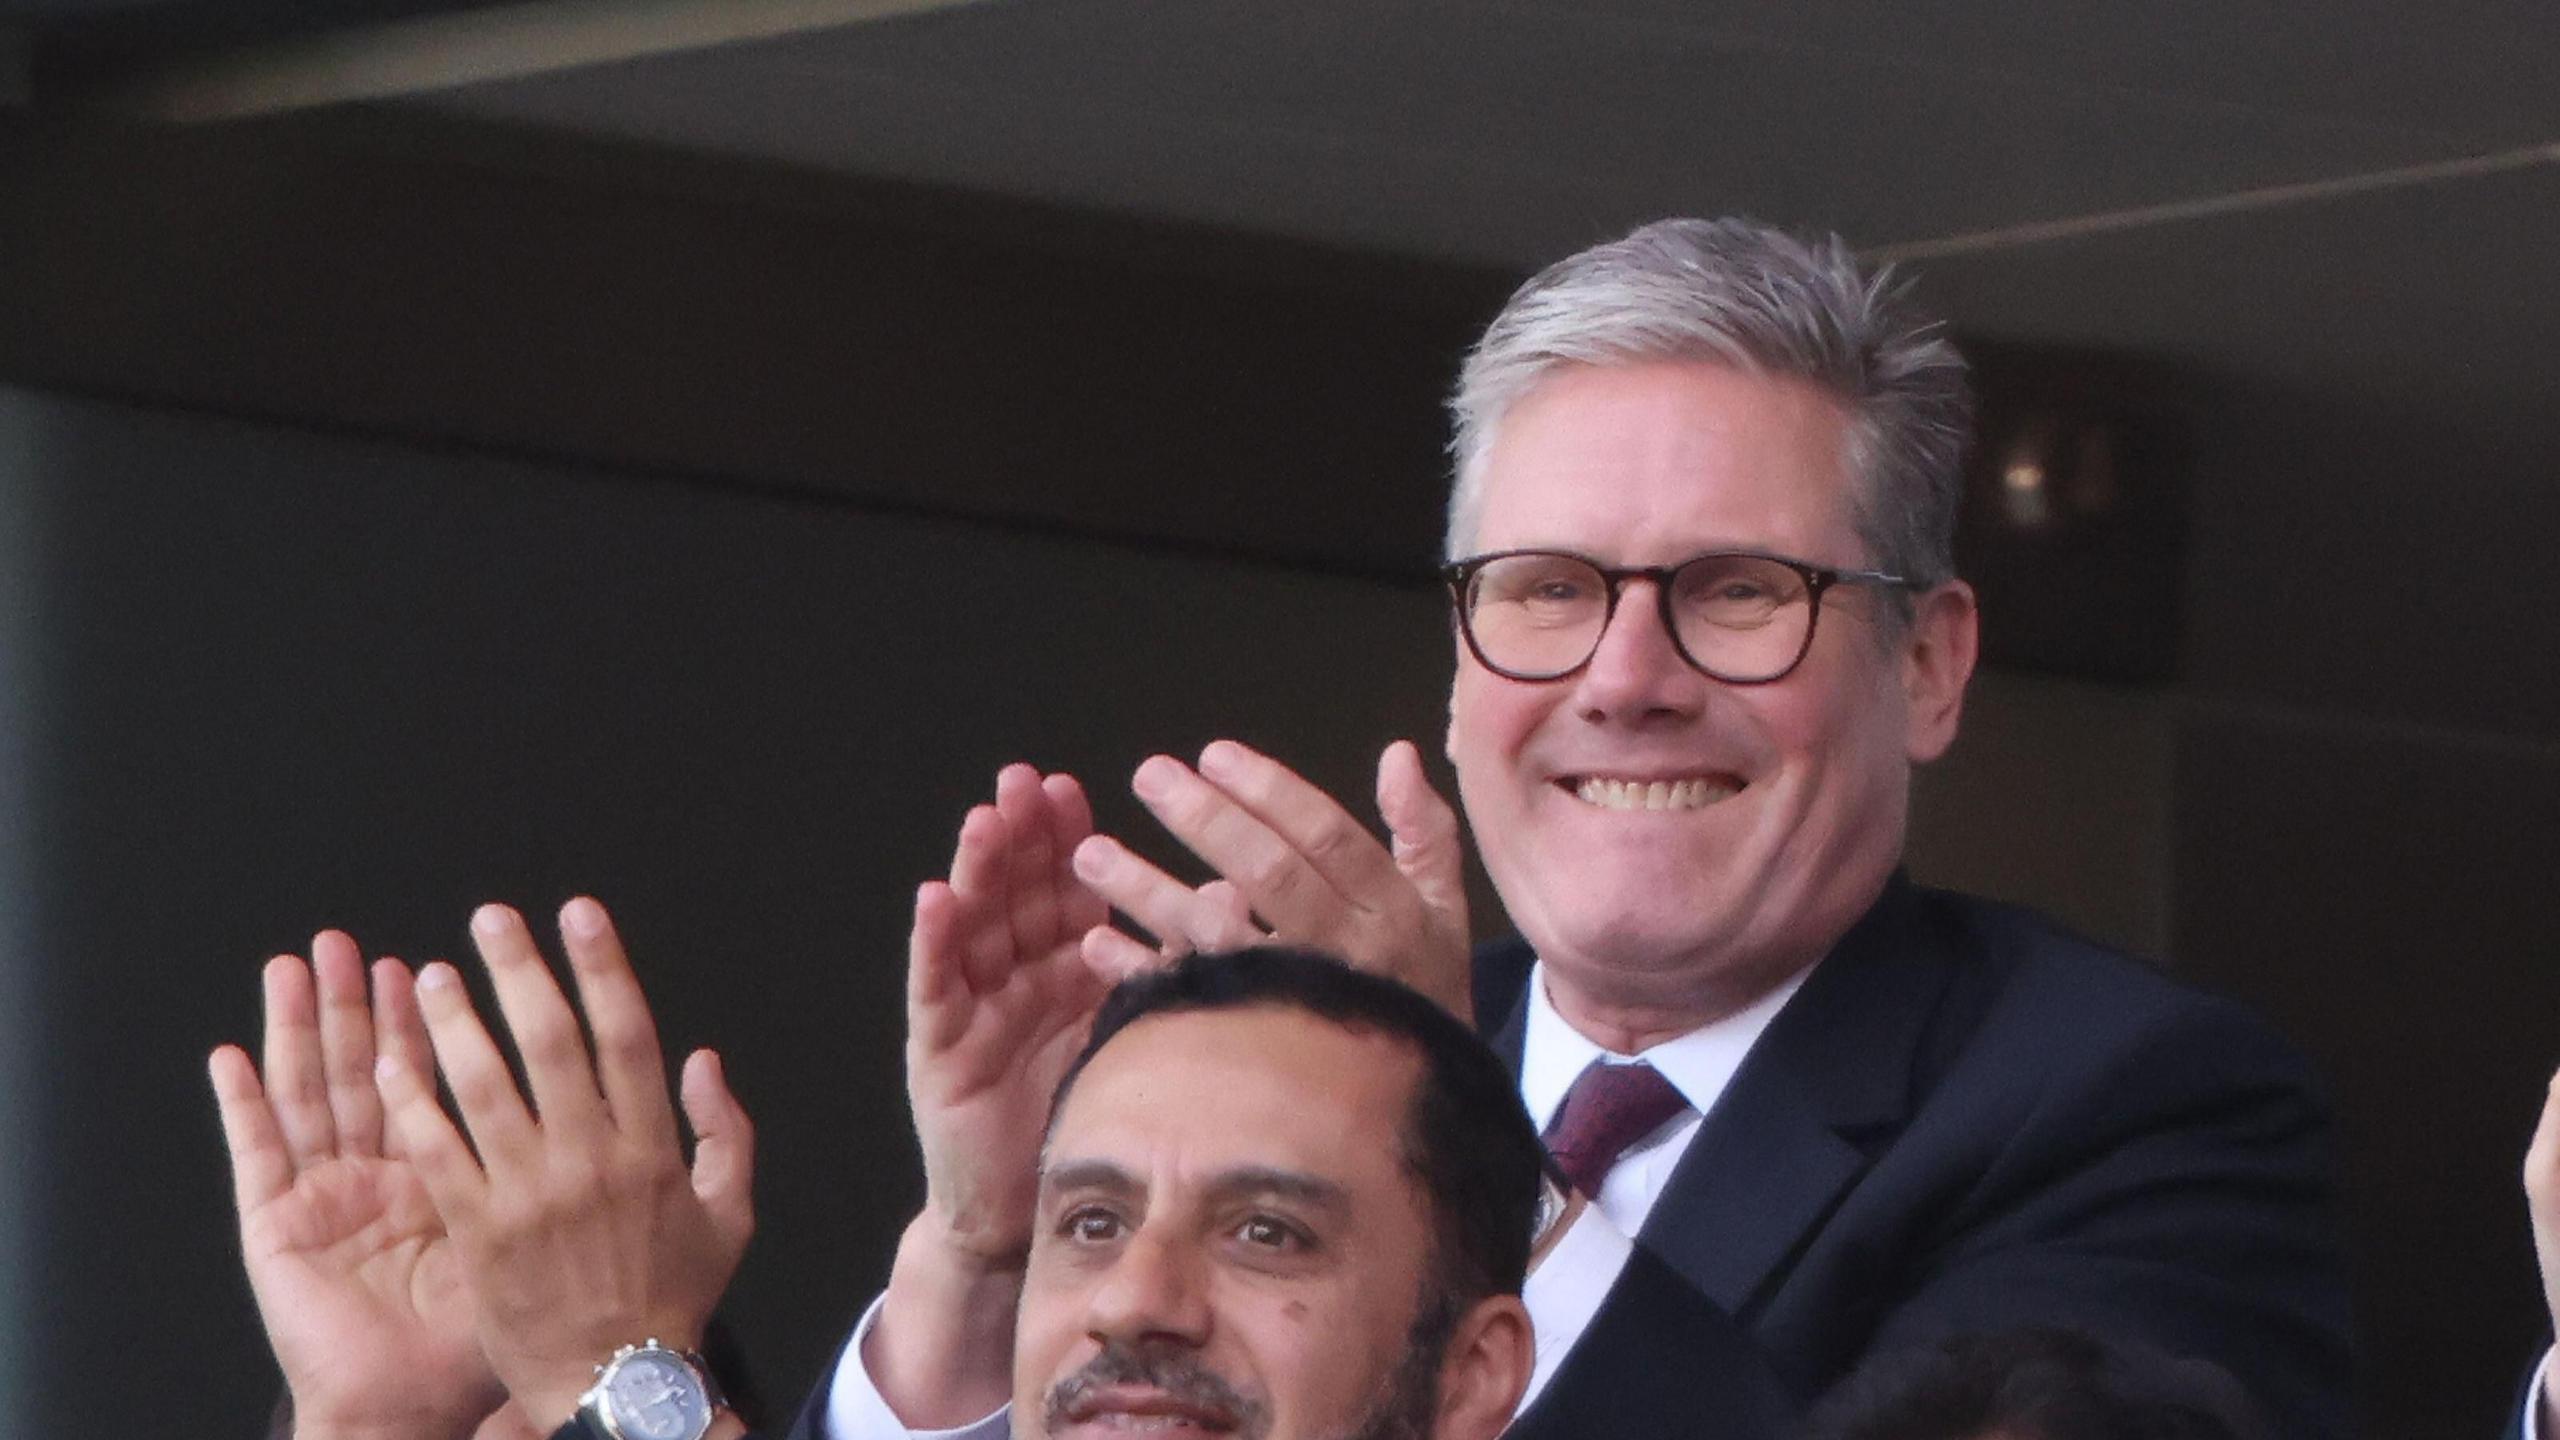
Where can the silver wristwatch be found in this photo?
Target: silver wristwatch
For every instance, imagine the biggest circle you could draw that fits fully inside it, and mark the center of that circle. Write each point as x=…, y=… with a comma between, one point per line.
x=650, y=1392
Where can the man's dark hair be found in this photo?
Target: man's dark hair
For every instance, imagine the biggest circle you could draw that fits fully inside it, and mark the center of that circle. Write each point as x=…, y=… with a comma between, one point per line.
x=1466, y=1139
x=2035, y=1384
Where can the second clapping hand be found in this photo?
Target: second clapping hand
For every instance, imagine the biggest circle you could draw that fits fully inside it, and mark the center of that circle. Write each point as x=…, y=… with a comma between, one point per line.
x=999, y=1001
x=1290, y=856
x=579, y=1225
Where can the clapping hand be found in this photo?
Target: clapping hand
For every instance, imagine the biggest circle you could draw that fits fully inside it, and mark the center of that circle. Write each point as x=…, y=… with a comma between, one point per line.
x=578, y=1228
x=1294, y=866
x=356, y=1278
x=999, y=1002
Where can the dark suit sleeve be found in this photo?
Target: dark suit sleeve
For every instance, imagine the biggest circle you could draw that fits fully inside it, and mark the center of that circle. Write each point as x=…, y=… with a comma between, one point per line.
x=1657, y=1360
x=2167, y=1187
x=2175, y=1196
x=807, y=1425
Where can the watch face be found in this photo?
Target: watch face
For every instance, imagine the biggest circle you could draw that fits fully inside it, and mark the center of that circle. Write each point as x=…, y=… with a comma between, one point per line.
x=654, y=1395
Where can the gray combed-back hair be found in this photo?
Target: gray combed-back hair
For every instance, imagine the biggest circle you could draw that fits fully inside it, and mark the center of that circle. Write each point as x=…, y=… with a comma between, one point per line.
x=1738, y=293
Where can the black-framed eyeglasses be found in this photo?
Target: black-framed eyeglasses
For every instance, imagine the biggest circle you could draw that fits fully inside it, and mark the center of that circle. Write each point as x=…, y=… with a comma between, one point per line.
x=1735, y=615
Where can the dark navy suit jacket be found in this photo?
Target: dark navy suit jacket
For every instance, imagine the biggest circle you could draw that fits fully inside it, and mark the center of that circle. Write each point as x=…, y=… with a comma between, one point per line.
x=1970, y=1120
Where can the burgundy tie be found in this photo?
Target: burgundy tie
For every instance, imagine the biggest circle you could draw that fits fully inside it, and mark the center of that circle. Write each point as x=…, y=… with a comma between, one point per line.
x=1609, y=1108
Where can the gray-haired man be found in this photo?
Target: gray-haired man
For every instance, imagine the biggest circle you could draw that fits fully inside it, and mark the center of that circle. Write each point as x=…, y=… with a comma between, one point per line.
x=1706, y=622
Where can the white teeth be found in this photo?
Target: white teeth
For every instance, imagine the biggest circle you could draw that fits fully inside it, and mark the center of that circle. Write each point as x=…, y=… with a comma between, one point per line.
x=1689, y=794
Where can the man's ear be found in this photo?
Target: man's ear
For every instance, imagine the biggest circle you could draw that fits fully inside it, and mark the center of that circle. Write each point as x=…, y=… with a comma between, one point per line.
x=1485, y=1370
x=1937, y=661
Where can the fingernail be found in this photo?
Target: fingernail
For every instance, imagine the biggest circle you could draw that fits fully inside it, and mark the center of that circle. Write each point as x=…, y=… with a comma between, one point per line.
x=1221, y=758
x=583, y=918
x=489, y=920
x=437, y=976
x=1092, y=858
x=1154, y=779
x=384, y=1067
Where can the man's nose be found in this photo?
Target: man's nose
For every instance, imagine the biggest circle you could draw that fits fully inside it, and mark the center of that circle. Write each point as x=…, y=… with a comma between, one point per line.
x=1637, y=672
x=1157, y=1289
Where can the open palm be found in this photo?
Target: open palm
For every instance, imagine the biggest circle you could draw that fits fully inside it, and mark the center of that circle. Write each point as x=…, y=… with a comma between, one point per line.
x=353, y=1274
x=353, y=1262
x=999, y=1001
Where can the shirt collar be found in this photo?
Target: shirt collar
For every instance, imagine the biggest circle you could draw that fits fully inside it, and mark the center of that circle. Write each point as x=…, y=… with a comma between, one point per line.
x=1698, y=1064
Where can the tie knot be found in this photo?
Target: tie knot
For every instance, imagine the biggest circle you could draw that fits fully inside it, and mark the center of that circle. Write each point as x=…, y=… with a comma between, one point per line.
x=1609, y=1108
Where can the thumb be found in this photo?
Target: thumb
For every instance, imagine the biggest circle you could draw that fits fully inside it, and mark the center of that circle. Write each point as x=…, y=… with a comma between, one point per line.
x=724, y=1146
x=1423, y=832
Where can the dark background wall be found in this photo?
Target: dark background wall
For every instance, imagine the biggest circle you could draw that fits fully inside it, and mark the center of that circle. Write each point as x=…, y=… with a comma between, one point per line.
x=403, y=519
x=289, y=681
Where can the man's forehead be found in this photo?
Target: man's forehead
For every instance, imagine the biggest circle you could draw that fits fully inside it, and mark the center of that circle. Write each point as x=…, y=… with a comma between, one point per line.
x=1668, y=454
x=1268, y=1070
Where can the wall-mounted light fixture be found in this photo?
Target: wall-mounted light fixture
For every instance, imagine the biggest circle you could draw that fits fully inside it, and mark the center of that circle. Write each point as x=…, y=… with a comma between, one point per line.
x=2074, y=522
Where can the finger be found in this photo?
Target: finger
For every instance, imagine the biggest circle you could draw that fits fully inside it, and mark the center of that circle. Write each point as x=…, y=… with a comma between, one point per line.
x=399, y=1031
x=1312, y=823
x=1113, y=956
x=346, y=1042
x=724, y=1147
x=556, y=1067
x=1280, y=881
x=1070, y=821
x=261, y=1166
x=2542, y=1161
x=420, y=1129
x=1171, y=911
x=935, y=978
x=482, y=1089
x=296, y=1079
x=629, y=1064
x=1231, y=925
x=1423, y=834
x=980, y=935
x=1030, y=861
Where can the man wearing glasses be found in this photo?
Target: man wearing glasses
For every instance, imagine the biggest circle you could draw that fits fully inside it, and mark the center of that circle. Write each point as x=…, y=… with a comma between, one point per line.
x=1700, y=546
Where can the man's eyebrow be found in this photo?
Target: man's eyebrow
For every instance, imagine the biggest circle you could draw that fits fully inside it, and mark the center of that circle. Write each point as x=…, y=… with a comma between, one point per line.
x=1102, y=1175
x=1295, y=1185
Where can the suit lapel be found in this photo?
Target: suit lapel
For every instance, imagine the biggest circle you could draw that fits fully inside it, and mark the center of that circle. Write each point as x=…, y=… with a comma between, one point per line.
x=1793, y=1131
x=1501, y=978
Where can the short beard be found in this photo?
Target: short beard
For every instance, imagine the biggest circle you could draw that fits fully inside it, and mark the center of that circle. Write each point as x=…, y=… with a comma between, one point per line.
x=1409, y=1402
x=1170, y=1369
x=1408, y=1399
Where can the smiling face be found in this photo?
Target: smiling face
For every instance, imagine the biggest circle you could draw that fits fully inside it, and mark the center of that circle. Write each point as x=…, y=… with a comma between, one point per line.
x=1781, y=806
x=1227, y=1242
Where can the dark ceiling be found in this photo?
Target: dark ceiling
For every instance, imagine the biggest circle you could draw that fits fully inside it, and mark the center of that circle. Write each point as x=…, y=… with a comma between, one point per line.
x=2336, y=211
x=1986, y=138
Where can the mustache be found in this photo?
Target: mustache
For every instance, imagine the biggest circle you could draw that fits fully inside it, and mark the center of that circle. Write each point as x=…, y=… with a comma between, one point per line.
x=1175, y=1373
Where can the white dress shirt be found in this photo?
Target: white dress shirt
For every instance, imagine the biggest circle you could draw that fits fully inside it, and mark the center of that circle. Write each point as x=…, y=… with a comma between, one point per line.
x=2533, y=1394
x=1566, y=1290
x=1699, y=1065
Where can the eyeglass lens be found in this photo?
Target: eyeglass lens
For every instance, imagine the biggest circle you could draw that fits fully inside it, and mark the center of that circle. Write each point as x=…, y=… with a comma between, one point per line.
x=1741, y=618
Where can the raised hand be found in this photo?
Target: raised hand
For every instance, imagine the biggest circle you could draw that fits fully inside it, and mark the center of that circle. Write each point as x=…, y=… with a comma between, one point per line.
x=998, y=1003
x=2542, y=1200
x=1293, y=866
x=999, y=1000
x=579, y=1227
x=356, y=1280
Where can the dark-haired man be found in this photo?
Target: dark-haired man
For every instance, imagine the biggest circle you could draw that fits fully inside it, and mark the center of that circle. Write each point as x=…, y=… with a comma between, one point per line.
x=1259, y=1194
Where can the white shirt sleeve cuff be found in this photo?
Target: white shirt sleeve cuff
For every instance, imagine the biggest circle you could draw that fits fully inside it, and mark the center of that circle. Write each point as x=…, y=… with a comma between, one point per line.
x=1566, y=1290
x=2533, y=1393
x=856, y=1411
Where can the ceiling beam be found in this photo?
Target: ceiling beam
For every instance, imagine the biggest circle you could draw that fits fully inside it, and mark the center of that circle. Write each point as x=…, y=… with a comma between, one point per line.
x=439, y=52
x=2207, y=207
